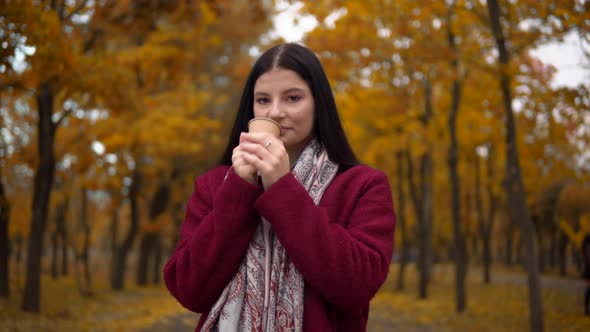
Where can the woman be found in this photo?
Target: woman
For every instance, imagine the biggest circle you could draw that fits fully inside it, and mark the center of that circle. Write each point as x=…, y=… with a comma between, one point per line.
x=329, y=242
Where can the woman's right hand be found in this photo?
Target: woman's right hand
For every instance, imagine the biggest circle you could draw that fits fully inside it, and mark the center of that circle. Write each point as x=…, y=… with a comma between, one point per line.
x=243, y=169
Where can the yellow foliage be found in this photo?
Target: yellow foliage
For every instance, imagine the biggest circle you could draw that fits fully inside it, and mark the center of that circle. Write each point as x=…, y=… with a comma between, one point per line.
x=576, y=235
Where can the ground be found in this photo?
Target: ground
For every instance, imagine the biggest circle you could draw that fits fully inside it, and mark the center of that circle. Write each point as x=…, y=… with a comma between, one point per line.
x=499, y=306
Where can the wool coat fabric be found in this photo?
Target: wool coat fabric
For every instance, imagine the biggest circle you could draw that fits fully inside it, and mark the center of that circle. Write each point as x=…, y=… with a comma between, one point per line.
x=342, y=247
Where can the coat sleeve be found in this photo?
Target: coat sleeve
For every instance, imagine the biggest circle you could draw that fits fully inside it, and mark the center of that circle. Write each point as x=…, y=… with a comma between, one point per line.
x=213, y=240
x=345, y=264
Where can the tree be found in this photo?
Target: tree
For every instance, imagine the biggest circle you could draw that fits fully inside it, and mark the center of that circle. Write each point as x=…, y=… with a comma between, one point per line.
x=59, y=238
x=4, y=219
x=401, y=217
x=485, y=220
x=459, y=250
x=15, y=182
x=187, y=61
x=61, y=41
x=421, y=194
x=515, y=193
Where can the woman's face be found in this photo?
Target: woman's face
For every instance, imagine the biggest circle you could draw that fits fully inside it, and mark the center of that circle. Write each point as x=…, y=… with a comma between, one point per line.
x=282, y=95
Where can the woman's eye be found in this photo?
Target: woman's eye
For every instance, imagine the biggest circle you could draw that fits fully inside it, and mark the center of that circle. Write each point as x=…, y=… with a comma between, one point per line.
x=294, y=99
x=262, y=100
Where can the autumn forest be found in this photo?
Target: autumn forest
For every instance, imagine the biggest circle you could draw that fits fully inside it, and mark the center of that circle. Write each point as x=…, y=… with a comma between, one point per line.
x=109, y=109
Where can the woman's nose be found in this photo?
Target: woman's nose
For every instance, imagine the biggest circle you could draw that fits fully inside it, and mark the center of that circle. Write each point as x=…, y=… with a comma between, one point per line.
x=275, y=111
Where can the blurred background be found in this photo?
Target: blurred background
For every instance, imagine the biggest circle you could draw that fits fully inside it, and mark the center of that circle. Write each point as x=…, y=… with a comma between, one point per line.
x=478, y=111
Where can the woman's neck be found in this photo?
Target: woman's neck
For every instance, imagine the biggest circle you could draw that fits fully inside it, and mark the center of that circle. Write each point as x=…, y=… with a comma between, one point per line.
x=295, y=151
x=293, y=156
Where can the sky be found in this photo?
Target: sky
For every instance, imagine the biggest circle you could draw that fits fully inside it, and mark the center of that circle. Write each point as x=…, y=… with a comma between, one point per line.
x=566, y=57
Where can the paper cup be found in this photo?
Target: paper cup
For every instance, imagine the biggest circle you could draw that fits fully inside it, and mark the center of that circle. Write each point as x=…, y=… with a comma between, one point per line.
x=264, y=125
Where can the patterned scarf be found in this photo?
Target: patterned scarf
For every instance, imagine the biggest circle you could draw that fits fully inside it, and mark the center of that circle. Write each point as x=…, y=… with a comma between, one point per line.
x=266, y=294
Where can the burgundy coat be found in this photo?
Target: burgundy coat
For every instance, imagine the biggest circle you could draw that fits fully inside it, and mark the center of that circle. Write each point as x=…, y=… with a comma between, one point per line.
x=342, y=247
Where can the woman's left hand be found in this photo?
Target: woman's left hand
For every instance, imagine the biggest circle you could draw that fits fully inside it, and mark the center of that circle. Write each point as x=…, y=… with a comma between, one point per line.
x=268, y=154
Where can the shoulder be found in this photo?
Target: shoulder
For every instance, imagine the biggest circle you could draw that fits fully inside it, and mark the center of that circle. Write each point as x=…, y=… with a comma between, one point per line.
x=360, y=186
x=362, y=173
x=358, y=179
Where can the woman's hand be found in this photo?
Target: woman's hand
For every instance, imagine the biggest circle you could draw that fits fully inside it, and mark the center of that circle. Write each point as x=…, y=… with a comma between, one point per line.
x=267, y=154
x=243, y=168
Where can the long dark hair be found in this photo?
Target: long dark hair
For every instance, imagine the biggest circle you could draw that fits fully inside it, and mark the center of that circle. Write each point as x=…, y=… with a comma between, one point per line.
x=327, y=126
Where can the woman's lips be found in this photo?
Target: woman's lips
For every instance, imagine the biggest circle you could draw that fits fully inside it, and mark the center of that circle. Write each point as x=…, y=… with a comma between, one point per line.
x=283, y=129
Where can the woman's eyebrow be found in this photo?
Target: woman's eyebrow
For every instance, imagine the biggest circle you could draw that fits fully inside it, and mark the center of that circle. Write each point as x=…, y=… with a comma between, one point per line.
x=291, y=90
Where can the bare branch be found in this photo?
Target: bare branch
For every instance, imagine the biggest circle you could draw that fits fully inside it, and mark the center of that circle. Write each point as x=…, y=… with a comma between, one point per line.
x=64, y=115
x=90, y=42
x=61, y=11
x=76, y=10
x=15, y=85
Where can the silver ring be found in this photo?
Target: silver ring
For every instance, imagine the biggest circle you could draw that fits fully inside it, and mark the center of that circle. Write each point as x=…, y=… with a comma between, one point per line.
x=267, y=144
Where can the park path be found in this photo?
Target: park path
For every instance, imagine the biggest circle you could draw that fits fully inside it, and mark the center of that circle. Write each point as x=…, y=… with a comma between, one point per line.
x=183, y=322
x=576, y=286
x=186, y=322
x=379, y=320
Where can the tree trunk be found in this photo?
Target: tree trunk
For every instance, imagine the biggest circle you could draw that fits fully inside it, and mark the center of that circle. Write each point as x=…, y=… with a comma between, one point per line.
x=422, y=199
x=86, y=263
x=458, y=237
x=401, y=220
x=54, y=251
x=18, y=258
x=157, y=252
x=417, y=204
x=116, y=280
x=553, y=249
x=541, y=253
x=575, y=250
x=578, y=260
x=63, y=233
x=485, y=220
x=57, y=238
x=562, y=253
x=83, y=253
x=426, y=181
x=118, y=269
x=4, y=236
x=119, y=263
x=478, y=201
x=43, y=182
x=491, y=215
x=178, y=215
x=78, y=273
x=509, y=244
x=149, y=257
x=513, y=183
x=4, y=244
x=145, y=248
x=150, y=247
